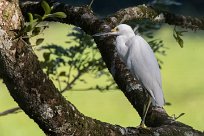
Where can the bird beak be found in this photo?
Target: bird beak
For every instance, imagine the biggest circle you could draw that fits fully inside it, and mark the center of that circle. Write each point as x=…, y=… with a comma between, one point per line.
x=114, y=30
x=101, y=34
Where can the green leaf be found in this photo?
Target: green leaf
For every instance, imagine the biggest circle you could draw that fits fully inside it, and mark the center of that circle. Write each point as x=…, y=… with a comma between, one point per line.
x=46, y=56
x=167, y=103
x=180, y=115
x=39, y=17
x=46, y=7
x=180, y=41
x=30, y=16
x=29, y=28
x=39, y=41
x=63, y=73
x=82, y=80
x=58, y=15
x=177, y=35
x=36, y=31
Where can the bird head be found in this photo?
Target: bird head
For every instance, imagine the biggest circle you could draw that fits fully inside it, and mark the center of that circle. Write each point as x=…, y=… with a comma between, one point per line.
x=121, y=29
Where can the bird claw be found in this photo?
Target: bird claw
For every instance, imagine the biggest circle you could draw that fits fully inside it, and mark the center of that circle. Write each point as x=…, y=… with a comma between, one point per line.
x=142, y=126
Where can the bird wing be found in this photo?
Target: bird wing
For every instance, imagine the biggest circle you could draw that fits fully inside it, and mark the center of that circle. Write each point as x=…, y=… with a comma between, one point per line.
x=143, y=64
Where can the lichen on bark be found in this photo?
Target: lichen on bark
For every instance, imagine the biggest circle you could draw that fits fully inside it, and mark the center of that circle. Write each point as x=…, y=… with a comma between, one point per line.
x=10, y=15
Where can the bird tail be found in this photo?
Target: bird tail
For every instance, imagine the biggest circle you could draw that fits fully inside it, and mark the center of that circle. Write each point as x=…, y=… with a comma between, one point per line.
x=158, y=98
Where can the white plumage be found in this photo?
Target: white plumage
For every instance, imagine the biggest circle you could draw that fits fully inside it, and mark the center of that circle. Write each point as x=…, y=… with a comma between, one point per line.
x=140, y=59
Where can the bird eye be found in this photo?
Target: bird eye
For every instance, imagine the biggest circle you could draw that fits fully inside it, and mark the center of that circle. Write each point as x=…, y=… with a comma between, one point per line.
x=117, y=29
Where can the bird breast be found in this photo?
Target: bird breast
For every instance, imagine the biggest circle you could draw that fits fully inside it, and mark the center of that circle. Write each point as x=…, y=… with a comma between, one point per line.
x=140, y=59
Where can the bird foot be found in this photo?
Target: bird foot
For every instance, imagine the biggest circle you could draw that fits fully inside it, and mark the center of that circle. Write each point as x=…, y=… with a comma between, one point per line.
x=142, y=126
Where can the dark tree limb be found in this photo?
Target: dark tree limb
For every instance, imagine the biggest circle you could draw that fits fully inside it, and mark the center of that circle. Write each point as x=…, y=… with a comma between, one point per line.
x=41, y=101
x=136, y=13
x=156, y=15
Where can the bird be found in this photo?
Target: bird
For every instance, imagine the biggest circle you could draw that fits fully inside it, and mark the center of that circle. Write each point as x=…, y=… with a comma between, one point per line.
x=139, y=58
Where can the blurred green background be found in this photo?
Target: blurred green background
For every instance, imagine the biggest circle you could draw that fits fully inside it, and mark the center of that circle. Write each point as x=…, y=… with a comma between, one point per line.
x=182, y=74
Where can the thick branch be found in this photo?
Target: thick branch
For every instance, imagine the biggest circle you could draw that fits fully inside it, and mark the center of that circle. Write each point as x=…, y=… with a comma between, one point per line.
x=141, y=12
x=156, y=15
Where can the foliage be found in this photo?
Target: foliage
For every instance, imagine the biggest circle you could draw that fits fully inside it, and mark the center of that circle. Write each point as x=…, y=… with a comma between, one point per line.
x=32, y=28
x=177, y=35
x=80, y=57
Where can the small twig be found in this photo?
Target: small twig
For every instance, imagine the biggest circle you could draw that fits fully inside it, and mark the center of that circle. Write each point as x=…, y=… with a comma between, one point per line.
x=69, y=85
x=10, y=111
x=80, y=73
x=176, y=117
x=91, y=4
x=96, y=88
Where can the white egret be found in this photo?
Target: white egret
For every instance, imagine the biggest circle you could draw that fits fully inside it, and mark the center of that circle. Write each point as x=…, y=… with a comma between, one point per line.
x=139, y=58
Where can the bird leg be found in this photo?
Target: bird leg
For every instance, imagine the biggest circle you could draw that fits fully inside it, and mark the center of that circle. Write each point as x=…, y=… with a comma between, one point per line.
x=145, y=110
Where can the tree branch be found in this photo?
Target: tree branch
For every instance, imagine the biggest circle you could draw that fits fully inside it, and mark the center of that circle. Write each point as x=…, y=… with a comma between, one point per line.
x=41, y=101
x=156, y=15
x=136, y=13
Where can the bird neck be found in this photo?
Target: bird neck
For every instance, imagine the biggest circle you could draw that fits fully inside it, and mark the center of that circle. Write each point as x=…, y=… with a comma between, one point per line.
x=126, y=37
x=121, y=47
